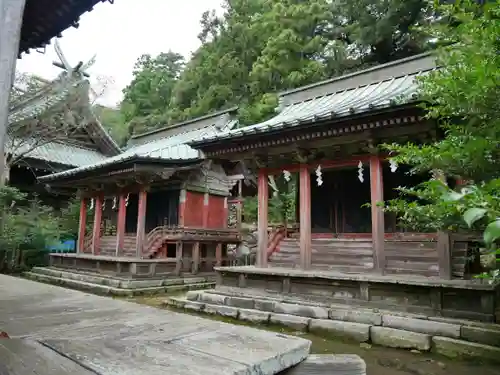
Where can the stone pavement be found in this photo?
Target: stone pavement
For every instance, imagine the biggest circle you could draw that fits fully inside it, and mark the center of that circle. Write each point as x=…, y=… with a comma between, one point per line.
x=66, y=331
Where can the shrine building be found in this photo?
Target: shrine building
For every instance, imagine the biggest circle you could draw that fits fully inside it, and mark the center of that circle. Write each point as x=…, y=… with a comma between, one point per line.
x=159, y=208
x=329, y=134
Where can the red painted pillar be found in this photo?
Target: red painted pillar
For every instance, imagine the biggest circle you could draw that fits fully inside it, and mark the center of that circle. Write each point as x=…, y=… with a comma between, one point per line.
x=206, y=203
x=225, y=214
x=262, y=223
x=96, y=233
x=182, y=206
x=141, y=223
x=378, y=229
x=120, y=225
x=305, y=216
x=218, y=255
x=81, y=226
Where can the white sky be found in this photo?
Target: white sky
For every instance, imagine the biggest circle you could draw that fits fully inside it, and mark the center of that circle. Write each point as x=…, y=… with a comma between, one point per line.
x=119, y=33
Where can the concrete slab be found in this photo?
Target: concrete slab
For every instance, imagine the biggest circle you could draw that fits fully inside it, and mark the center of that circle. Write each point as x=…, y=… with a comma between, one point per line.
x=117, y=337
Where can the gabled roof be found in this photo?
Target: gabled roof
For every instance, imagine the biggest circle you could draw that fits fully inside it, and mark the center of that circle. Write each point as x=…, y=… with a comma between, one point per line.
x=51, y=98
x=170, y=148
x=372, y=89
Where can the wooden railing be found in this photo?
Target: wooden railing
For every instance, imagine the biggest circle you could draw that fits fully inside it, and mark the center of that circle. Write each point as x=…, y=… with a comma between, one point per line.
x=155, y=238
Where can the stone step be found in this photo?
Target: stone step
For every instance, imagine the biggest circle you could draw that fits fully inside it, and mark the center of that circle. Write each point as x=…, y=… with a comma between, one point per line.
x=338, y=364
x=115, y=291
x=481, y=333
x=253, y=294
x=359, y=332
x=118, y=282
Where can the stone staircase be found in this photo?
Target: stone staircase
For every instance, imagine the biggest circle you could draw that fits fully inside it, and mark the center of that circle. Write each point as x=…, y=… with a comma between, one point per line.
x=450, y=337
x=106, y=285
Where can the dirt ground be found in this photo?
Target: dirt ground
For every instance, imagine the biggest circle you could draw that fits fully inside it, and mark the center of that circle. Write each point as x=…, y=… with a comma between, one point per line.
x=379, y=360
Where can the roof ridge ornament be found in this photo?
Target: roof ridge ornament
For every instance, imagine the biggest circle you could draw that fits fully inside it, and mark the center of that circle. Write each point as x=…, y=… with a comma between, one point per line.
x=63, y=63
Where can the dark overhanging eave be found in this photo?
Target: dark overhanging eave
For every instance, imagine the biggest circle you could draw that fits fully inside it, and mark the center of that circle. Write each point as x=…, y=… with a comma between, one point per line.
x=43, y=21
x=114, y=166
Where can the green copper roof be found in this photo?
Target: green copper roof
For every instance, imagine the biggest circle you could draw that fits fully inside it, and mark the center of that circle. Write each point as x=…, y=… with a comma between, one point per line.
x=170, y=148
x=362, y=92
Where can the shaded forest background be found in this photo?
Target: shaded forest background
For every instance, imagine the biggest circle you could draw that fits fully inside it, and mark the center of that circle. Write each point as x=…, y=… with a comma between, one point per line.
x=258, y=48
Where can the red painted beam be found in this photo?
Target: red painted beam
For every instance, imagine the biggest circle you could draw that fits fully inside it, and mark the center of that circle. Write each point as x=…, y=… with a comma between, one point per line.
x=82, y=225
x=305, y=216
x=377, y=196
x=141, y=223
x=96, y=232
x=121, y=222
x=262, y=223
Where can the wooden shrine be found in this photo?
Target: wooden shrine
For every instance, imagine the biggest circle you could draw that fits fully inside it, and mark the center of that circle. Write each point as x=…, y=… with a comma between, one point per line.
x=344, y=252
x=158, y=208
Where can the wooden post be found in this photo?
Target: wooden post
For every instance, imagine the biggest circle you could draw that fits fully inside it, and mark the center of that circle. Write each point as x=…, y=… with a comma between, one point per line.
x=444, y=255
x=239, y=206
x=141, y=223
x=262, y=224
x=206, y=201
x=81, y=226
x=11, y=19
x=96, y=233
x=121, y=222
x=378, y=229
x=178, y=258
x=218, y=255
x=305, y=216
x=225, y=214
x=182, y=206
x=195, y=267
x=443, y=239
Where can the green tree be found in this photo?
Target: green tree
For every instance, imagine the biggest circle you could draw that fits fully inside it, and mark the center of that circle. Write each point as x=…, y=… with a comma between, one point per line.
x=113, y=121
x=146, y=98
x=383, y=30
x=463, y=97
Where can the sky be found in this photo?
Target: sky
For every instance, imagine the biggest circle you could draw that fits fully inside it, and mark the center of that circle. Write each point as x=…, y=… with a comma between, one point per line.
x=118, y=34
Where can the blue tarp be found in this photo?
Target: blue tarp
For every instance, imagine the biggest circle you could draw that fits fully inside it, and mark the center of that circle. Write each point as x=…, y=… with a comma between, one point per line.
x=68, y=246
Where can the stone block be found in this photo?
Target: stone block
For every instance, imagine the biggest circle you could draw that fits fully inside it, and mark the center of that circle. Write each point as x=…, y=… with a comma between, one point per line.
x=396, y=338
x=338, y=364
x=193, y=296
x=214, y=299
x=231, y=312
x=195, y=306
x=176, y=302
x=354, y=331
x=253, y=316
x=296, y=322
x=422, y=326
x=481, y=335
x=356, y=316
x=315, y=312
x=264, y=305
x=459, y=348
x=244, y=303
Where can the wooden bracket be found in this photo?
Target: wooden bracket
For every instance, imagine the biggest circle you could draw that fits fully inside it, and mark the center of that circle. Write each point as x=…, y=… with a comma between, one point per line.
x=302, y=155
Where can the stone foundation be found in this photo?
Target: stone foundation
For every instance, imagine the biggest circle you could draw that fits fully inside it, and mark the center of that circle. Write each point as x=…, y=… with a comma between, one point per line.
x=446, y=336
x=116, y=286
x=127, y=267
x=460, y=299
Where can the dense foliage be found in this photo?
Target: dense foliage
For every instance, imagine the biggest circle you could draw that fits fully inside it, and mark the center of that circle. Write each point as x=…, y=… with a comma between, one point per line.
x=28, y=227
x=463, y=97
x=258, y=48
